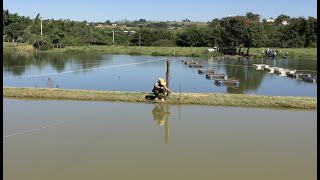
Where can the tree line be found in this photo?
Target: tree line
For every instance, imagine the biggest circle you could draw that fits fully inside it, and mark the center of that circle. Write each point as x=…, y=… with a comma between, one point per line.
x=243, y=31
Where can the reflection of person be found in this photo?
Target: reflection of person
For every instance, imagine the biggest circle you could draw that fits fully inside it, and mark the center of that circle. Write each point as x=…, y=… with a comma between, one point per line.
x=160, y=113
x=160, y=88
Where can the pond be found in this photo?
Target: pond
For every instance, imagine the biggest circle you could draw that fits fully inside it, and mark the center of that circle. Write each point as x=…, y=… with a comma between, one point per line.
x=139, y=73
x=110, y=140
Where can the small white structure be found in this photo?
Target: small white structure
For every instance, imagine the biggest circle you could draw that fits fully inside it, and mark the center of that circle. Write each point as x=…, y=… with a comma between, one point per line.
x=284, y=72
x=214, y=49
x=129, y=32
x=211, y=50
x=284, y=23
x=272, y=69
x=275, y=69
x=270, y=20
x=261, y=66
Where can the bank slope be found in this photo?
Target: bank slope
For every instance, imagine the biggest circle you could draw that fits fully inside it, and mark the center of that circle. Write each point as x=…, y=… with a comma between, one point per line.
x=214, y=99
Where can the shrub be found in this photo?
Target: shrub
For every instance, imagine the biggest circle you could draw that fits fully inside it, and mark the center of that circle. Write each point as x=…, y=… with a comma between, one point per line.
x=155, y=53
x=134, y=52
x=41, y=45
x=164, y=43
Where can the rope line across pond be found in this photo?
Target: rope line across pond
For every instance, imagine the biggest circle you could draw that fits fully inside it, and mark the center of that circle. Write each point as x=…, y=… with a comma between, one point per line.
x=105, y=67
x=38, y=129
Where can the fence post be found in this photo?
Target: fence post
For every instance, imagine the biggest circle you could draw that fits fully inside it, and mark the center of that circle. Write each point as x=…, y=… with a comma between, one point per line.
x=168, y=75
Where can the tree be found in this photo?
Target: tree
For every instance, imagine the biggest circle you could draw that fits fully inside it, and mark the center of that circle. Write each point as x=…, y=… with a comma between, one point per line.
x=243, y=31
x=158, y=25
x=253, y=17
x=42, y=44
x=214, y=23
x=186, y=20
x=108, y=22
x=194, y=36
x=311, y=32
x=236, y=31
x=15, y=30
x=281, y=18
x=272, y=34
x=146, y=36
x=142, y=21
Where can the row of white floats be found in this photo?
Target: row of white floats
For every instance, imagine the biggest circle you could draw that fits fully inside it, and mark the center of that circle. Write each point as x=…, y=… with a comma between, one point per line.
x=287, y=72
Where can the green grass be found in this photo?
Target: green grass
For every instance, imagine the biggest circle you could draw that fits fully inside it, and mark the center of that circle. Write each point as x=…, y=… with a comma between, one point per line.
x=214, y=99
x=136, y=50
x=310, y=53
x=178, y=51
x=20, y=47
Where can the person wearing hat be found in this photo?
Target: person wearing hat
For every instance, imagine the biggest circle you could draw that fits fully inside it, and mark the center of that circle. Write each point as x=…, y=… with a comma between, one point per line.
x=160, y=88
x=161, y=113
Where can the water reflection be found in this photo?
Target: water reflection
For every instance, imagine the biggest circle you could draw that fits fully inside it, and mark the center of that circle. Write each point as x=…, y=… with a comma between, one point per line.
x=250, y=78
x=115, y=73
x=161, y=114
x=17, y=63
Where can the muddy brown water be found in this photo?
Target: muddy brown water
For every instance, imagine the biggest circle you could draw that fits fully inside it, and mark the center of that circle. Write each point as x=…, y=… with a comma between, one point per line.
x=110, y=140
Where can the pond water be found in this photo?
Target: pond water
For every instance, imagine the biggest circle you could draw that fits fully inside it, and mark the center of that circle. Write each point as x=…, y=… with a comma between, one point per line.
x=109, y=140
x=139, y=73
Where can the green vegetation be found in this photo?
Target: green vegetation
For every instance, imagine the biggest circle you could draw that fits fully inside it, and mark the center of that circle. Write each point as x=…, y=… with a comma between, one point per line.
x=21, y=47
x=293, y=52
x=247, y=31
x=157, y=51
x=215, y=99
x=177, y=51
x=136, y=50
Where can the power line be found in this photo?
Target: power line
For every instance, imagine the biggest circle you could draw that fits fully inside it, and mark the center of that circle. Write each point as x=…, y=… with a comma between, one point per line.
x=80, y=70
x=38, y=129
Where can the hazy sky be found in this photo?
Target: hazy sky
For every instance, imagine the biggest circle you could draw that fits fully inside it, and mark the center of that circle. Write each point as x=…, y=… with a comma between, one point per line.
x=159, y=10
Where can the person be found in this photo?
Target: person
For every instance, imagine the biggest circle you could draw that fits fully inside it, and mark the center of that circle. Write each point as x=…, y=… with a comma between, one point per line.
x=160, y=88
x=160, y=114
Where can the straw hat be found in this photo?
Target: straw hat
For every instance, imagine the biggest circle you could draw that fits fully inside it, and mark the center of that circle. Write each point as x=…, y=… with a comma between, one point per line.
x=161, y=122
x=162, y=81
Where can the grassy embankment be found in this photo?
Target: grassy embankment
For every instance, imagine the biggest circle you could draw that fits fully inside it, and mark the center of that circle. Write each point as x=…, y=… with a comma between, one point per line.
x=136, y=50
x=309, y=53
x=160, y=51
x=20, y=47
x=215, y=99
x=179, y=51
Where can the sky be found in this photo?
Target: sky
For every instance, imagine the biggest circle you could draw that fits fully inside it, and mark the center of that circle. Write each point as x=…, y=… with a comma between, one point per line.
x=158, y=10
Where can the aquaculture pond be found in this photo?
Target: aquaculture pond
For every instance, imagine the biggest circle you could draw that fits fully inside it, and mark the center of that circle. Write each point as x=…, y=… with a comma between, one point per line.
x=109, y=140
x=139, y=73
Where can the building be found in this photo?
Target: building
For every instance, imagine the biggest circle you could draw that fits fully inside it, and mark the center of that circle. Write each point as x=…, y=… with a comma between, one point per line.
x=270, y=20
x=284, y=23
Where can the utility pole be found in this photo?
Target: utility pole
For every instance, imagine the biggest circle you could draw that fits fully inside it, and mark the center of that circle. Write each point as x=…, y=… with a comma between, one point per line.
x=41, y=26
x=113, y=34
x=139, y=39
